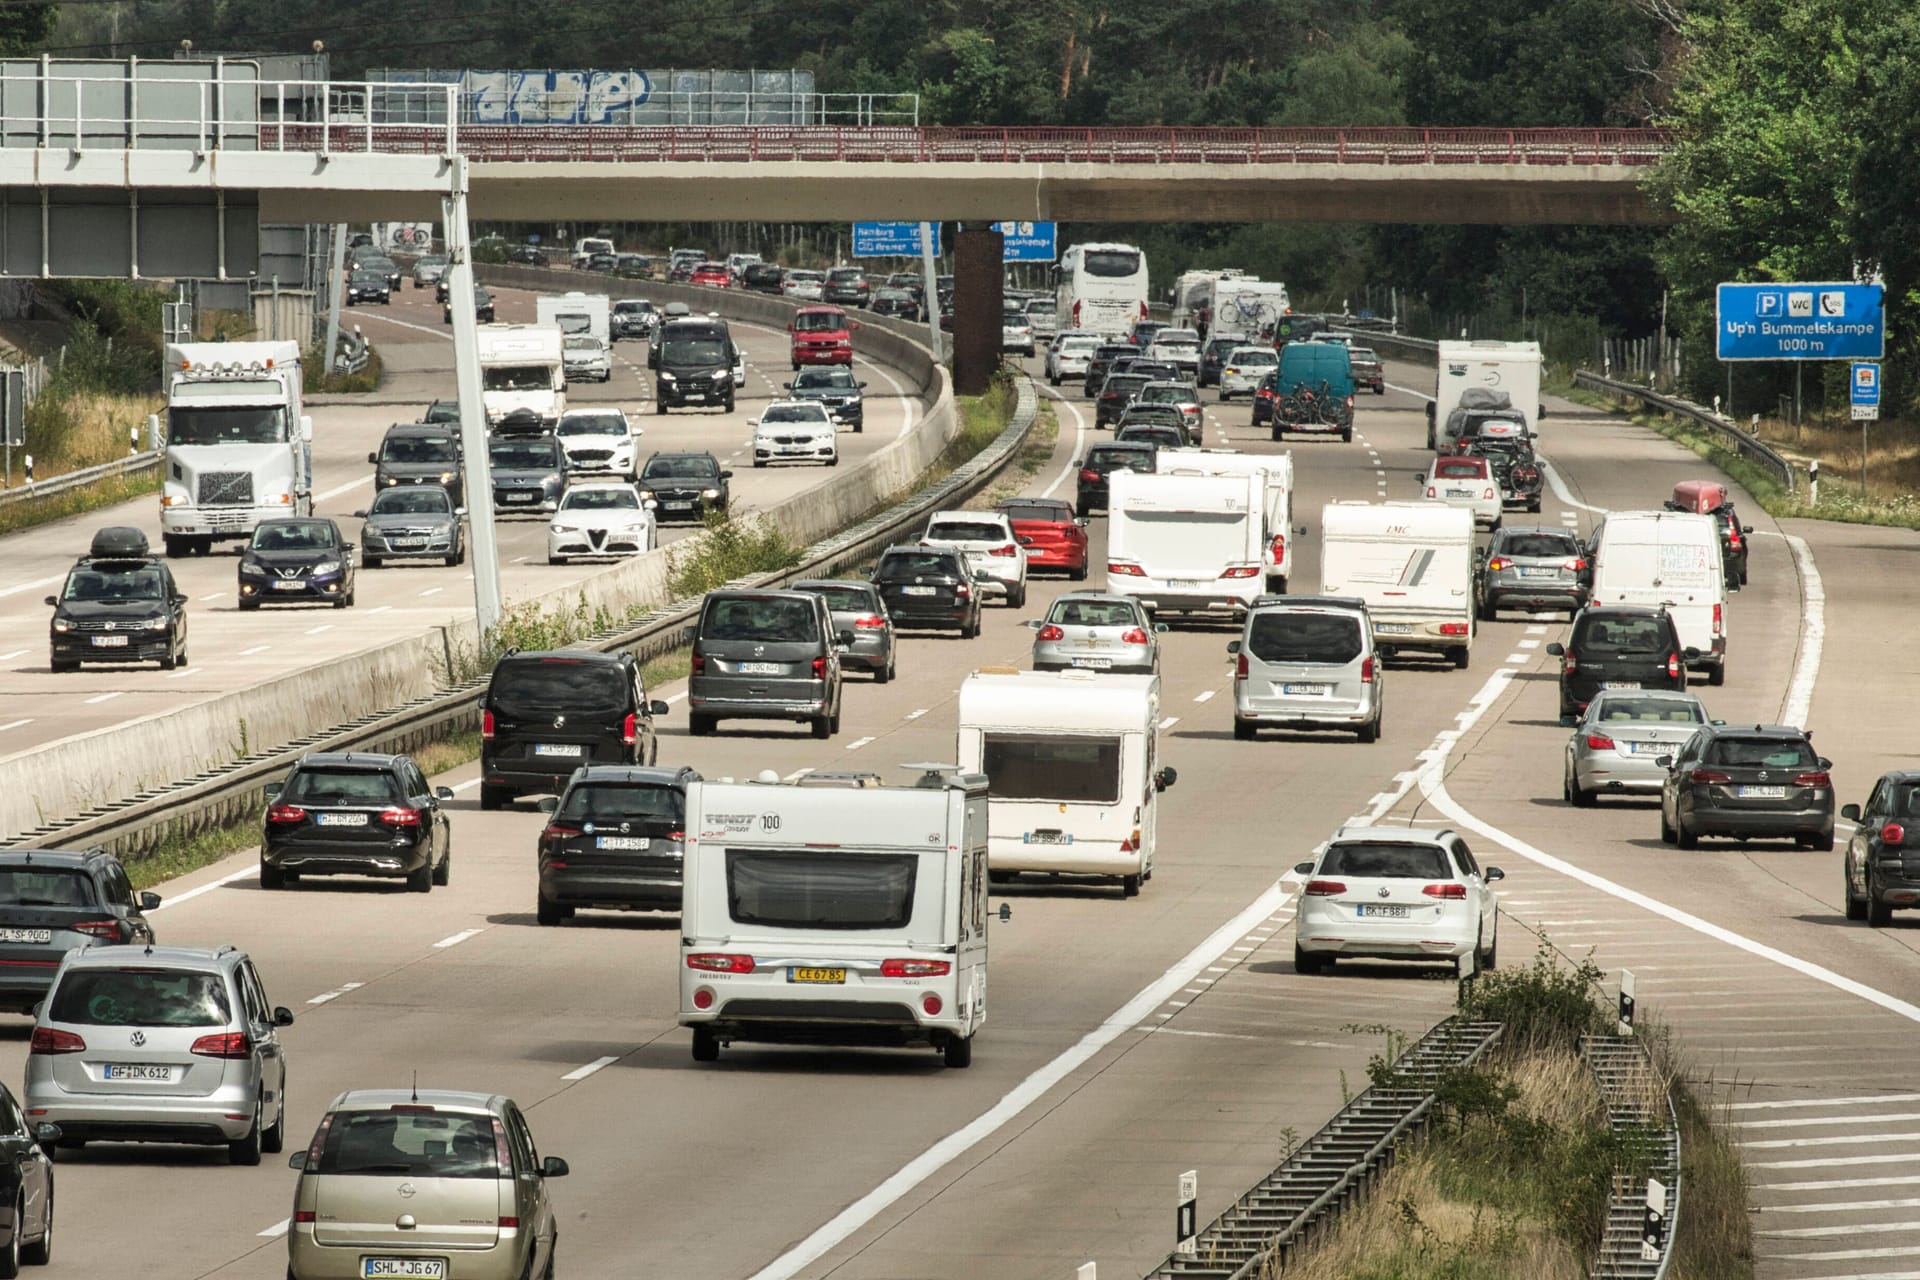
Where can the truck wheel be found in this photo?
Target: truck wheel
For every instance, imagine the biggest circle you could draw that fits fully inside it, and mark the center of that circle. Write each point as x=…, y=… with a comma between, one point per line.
x=492, y=797
x=1459, y=654
x=1129, y=886
x=706, y=1045
x=176, y=547
x=660, y=407
x=958, y=1051
x=1717, y=674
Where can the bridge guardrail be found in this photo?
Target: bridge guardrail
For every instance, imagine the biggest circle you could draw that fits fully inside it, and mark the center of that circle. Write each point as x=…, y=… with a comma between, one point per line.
x=79, y=479
x=1752, y=448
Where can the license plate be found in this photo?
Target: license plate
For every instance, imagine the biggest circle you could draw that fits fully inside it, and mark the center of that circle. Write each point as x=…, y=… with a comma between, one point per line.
x=817, y=975
x=341, y=819
x=1394, y=628
x=1761, y=793
x=1306, y=690
x=919, y=591
x=1619, y=684
x=1646, y=748
x=1188, y=582
x=1459, y=493
x=1097, y=664
x=620, y=842
x=1538, y=573
x=1384, y=911
x=407, y=544
x=295, y=585
x=519, y=497
x=26, y=935
x=1048, y=837
x=678, y=506
x=762, y=668
x=136, y=1071
x=696, y=395
x=413, y=1268
x=109, y=642
x=569, y=750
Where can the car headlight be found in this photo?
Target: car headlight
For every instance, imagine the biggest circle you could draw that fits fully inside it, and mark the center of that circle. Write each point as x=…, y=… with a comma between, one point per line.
x=62, y=624
x=645, y=494
x=667, y=377
x=324, y=567
x=709, y=493
x=446, y=477
x=155, y=624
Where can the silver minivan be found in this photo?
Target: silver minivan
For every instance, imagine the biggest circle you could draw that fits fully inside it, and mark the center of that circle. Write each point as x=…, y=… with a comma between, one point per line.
x=765, y=655
x=160, y=1044
x=1307, y=662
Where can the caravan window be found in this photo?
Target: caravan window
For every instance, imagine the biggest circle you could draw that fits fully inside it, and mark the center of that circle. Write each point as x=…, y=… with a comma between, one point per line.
x=1026, y=766
x=796, y=889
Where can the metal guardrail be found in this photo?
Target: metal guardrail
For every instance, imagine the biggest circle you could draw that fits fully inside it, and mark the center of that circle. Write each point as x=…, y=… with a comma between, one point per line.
x=350, y=357
x=1332, y=1169
x=231, y=792
x=80, y=479
x=1749, y=447
x=1624, y=1071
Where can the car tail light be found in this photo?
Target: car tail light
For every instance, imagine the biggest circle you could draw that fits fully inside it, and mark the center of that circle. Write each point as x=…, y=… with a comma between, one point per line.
x=1325, y=888
x=720, y=962
x=819, y=668
x=398, y=817
x=225, y=1044
x=1733, y=537
x=1444, y=890
x=1498, y=563
x=1892, y=833
x=1051, y=632
x=1707, y=777
x=1133, y=635
x=508, y=1222
x=1718, y=619
x=286, y=813
x=931, y=1004
x=502, y=1155
x=1431, y=492
x=1578, y=564
x=1278, y=547
x=1366, y=670
x=630, y=729
x=1599, y=742
x=1818, y=778
x=915, y=968
x=486, y=725
x=1569, y=664
x=1240, y=668
x=698, y=666
x=873, y=623
x=1125, y=569
x=962, y=591
x=1453, y=628
x=560, y=830
x=1673, y=666
x=1242, y=571
x=1009, y=550
x=108, y=929
x=703, y=999
x=1486, y=493
x=1089, y=476
x=49, y=1040
x=303, y=1215
x=319, y=1144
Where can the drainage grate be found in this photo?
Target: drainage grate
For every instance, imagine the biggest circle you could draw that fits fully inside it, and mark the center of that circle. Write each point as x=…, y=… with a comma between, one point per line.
x=1637, y=1100
x=1332, y=1169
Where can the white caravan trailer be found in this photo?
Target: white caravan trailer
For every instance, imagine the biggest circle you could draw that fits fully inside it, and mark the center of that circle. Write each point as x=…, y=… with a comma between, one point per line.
x=1668, y=560
x=835, y=915
x=1412, y=562
x=1186, y=544
x=1510, y=369
x=1276, y=473
x=1073, y=772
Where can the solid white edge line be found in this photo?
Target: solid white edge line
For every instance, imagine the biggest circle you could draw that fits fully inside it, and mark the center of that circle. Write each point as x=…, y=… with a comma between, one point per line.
x=1079, y=438
x=900, y=393
x=1813, y=613
x=1022, y=1095
x=581, y=1073
x=208, y=887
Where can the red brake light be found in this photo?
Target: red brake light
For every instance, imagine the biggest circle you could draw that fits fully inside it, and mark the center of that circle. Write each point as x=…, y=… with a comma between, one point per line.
x=1278, y=547
x=1240, y=668
x=1366, y=670
x=108, y=929
x=1089, y=475
x=47, y=1040
x=1242, y=571
x=1717, y=619
x=1599, y=742
x=560, y=830
x=1892, y=833
x=501, y=1154
x=1431, y=493
x=874, y=623
x=1132, y=843
x=486, y=724
x=1051, y=632
x=1133, y=635
x=225, y=1044
x=1444, y=890
x=962, y=591
x=1324, y=888
x=290, y=812
x=1125, y=570
x=915, y=968
x=509, y=1222
x=318, y=1146
x=1453, y=628
x=630, y=729
x=698, y=666
x=1708, y=777
x=1009, y=550
x=1498, y=563
x=398, y=817
x=717, y=962
x=1818, y=778
x=303, y=1215
x=1673, y=666
x=819, y=668
x=1578, y=564
x=1733, y=536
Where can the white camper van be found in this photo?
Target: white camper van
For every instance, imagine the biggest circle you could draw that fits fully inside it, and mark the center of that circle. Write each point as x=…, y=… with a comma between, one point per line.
x=577, y=312
x=1186, y=544
x=1492, y=369
x=522, y=366
x=1669, y=560
x=1073, y=772
x=1412, y=562
x=835, y=915
x=1276, y=473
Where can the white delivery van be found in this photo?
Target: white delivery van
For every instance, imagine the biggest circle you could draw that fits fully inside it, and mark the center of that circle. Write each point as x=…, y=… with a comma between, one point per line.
x=1412, y=562
x=835, y=915
x=1186, y=544
x=522, y=366
x=1667, y=560
x=1511, y=369
x=1276, y=473
x=577, y=312
x=1073, y=772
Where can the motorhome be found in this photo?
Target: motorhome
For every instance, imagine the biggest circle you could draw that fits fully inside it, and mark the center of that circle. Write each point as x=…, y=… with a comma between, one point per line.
x=1249, y=306
x=1667, y=560
x=522, y=366
x=1276, y=473
x=1412, y=562
x=1185, y=543
x=1073, y=771
x=1494, y=372
x=835, y=915
x=577, y=312
x=1191, y=294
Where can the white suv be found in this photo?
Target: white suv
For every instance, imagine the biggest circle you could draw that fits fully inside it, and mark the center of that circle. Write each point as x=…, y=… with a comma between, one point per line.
x=795, y=431
x=597, y=441
x=990, y=543
x=1396, y=893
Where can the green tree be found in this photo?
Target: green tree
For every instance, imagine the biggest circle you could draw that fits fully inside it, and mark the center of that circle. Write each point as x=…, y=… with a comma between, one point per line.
x=26, y=28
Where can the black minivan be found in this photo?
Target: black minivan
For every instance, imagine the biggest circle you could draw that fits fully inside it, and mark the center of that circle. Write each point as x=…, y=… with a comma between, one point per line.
x=693, y=364
x=548, y=713
x=1619, y=647
x=765, y=655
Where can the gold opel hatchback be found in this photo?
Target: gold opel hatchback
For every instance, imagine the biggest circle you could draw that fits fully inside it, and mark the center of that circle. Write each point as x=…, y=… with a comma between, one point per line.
x=425, y=1184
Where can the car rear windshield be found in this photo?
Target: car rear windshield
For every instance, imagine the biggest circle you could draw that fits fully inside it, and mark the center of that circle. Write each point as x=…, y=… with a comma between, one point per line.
x=771, y=620
x=1046, y=512
x=418, y=449
x=1126, y=383
x=509, y=456
x=908, y=564
x=658, y=809
x=1616, y=709
x=141, y=998
x=44, y=887
x=1386, y=861
x=1469, y=469
x=558, y=684
x=408, y=1144
x=1094, y=613
x=965, y=531
x=1028, y=766
x=1624, y=635
x=1152, y=433
x=1538, y=545
x=1765, y=753
x=321, y=787
x=795, y=889
x=1120, y=459
x=844, y=599
x=1293, y=636
x=817, y=377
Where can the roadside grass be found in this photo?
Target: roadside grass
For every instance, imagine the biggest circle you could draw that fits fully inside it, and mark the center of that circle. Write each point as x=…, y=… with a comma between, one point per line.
x=1034, y=454
x=732, y=548
x=665, y=669
x=31, y=512
x=178, y=855
x=316, y=378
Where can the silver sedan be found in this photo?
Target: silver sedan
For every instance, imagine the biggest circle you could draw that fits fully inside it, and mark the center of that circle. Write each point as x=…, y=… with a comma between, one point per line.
x=1615, y=745
x=1096, y=632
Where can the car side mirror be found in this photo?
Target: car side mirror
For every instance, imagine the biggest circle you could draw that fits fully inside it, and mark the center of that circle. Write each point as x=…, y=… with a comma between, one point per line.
x=554, y=1167
x=459, y=511
x=1492, y=874
x=787, y=386
x=282, y=1016
x=726, y=475
x=1233, y=646
x=863, y=386
x=46, y=1133
x=549, y=804
x=1851, y=812
x=298, y=1160
x=359, y=515
x=1034, y=624
x=1663, y=762
x=1165, y=778
x=1746, y=528
x=658, y=708
x=345, y=546
x=1303, y=868
x=1825, y=763
x=443, y=793
x=374, y=458
x=270, y=790
x=1557, y=649
x=1161, y=628
x=149, y=901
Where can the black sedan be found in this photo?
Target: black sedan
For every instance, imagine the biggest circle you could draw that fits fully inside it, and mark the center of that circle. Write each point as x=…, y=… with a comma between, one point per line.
x=1102, y=461
x=615, y=840
x=1881, y=871
x=356, y=814
x=482, y=307
x=832, y=385
x=296, y=560
x=685, y=485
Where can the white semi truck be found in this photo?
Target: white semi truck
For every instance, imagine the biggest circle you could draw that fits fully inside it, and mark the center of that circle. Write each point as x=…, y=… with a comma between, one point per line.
x=238, y=447
x=522, y=366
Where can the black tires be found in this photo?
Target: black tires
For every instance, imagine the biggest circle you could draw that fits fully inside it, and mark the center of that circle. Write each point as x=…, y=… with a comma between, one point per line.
x=246, y=1150
x=1717, y=674
x=1683, y=835
x=1129, y=886
x=273, y=1139
x=444, y=872
x=493, y=797
x=1856, y=906
x=40, y=1252
x=958, y=1051
x=1370, y=731
x=271, y=877
x=970, y=628
x=1879, y=914
x=1666, y=828
x=1308, y=962
x=699, y=726
x=548, y=912
x=1243, y=730
x=374, y=562
x=1578, y=796
x=823, y=726
x=1017, y=596
x=421, y=881
x=706, y=1045
x=1459, y=655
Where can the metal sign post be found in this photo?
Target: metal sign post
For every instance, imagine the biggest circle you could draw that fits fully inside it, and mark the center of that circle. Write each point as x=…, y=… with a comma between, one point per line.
x=930, y=283
x=13, y=416
x=1626, y=1002
x=1863, y=393
x=1186, y=1215
x=336, y=285
x=473, y=413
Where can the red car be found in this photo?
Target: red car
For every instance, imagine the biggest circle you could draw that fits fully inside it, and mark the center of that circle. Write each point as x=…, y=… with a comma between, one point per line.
x=713, y=274
x=1051, y=535
x=821, y=335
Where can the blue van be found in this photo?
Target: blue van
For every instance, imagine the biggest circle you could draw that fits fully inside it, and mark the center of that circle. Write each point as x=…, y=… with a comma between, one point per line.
x=1307, y=367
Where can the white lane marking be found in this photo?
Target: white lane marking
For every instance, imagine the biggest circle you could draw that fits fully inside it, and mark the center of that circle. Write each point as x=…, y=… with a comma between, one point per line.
x=458, y=938
x=1205, y=695
x=1858, y=1228
x=1169, y=722
x=432, y=591
x=1824, y=1102
x=379, y=609
x=1517, y=657
x=337, y=490
x=899, y=389
x=858, y=743
x=1536, y=630
x=327, y=997
x=277, y=1230
x=325, y=626
x=1799, y=1121
x=28, y=586
x=1830, y=1184
x=1833, y=1162
x=1529, y=644
x=1561, y=492
x=103, y=697
x=1022, y=1096
x=798, y=774
x=212, y=596
x=1843, y=1140
x=581, y=1073
x=1813, y=634
x=182, y=675
x=9, y=657
x=677, y=697
x=468, y=785
x=915, y=715
x=1842, y=1255
x=208, y=887
x=1079, y=442
x=15, y=724
x=259, y=648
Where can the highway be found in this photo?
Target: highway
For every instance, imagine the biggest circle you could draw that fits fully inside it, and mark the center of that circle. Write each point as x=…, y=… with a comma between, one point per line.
x=228, y=648
x=1129, y=1040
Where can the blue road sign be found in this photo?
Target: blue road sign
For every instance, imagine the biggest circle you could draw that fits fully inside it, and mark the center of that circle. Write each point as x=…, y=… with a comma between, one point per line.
x=890, y=239
x=1027, y=241
x=1816, y=321
x=1865, y=384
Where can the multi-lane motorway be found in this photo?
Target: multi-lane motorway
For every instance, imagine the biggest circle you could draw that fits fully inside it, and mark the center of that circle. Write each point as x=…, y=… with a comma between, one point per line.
x=1129, y=1039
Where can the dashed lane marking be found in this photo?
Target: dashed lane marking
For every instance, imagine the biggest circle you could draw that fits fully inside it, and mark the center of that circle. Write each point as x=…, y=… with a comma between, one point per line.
x=581, y=1073
x=458, y=938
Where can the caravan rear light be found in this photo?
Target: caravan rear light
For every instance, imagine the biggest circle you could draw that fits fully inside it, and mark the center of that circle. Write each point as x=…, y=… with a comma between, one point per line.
x=1718, y=619
x=719, y=962
x=1278, y=548
x=1325, y=888
x=1366, y=670
x=1051, y=632
x=819, y=668
x=629, y=729
x=1126, y=570
x=1133, y=635
x=915, y=968
x=1242, y=571
x=486, y=725
x=1453, y=628
x=1444, y=890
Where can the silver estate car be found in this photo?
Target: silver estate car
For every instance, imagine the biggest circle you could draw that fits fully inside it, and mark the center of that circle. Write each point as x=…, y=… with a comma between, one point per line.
x=1097, y=632
x=1616, y=744
x=160, y=1044
x=1307, y=662
x=858, y=610
x=1530, y=569
x=425, y=1183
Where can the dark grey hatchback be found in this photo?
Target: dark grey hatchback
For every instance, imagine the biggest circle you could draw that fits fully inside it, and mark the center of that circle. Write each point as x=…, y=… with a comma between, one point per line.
x=615, y=840
x=53, y=901
x=1748, y=782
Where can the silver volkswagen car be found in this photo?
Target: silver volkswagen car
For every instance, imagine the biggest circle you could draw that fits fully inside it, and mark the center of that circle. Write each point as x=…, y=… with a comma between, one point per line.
x=1096, y=632
x=1615, y=745
x=160, y=1044
x=1307, y=662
